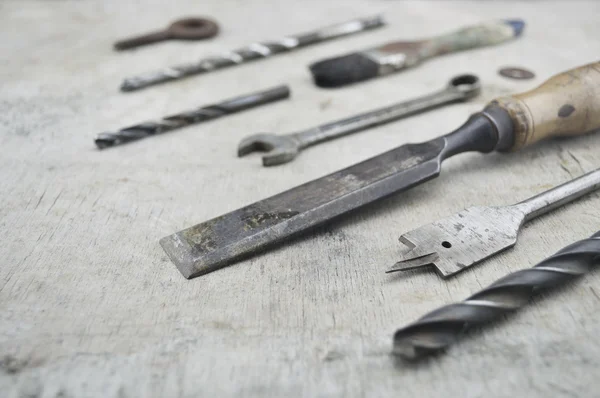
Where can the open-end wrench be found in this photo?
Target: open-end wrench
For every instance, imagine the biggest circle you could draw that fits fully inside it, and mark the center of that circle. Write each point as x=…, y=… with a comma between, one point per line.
x=284, y=148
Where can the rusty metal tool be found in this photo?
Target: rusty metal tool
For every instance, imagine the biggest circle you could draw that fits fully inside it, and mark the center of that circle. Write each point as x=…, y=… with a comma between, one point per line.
x=252, y=52
x=566, y=104
x=193, y=116
x=183, y=29
x=455, y=243
x=400, y=55
x=440, y=328
x=284, y=148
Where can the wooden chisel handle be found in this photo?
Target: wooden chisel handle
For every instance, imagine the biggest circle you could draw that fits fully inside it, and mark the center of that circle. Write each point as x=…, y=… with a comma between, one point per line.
x=566, y=104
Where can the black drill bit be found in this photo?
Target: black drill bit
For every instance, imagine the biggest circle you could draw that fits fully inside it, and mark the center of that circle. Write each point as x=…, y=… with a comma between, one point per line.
x=437, y=330
x=194, y=116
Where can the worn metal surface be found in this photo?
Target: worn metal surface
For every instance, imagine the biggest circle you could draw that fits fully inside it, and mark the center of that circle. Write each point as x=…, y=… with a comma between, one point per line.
x=462, y=240
x=284, y=148
x=90, y=306
x=194, y=116
x=218, y=242
x=252, y=52
x=516, y=73
x=183, y=29
x=439, y=329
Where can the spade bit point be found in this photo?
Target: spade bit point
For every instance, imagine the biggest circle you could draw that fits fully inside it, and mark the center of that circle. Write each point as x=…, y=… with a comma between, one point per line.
x=477, y=233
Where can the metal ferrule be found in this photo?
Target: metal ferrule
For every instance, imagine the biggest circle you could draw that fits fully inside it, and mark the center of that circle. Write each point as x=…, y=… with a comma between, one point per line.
x=388, y=62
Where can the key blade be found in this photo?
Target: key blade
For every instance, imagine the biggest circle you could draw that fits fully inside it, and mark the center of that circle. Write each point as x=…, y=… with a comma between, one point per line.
x=461, y=240
x=219, y=242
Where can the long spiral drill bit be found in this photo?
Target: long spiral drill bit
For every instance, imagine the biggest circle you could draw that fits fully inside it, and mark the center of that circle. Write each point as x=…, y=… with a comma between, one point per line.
x=437, y=330
x=250, y=53
x=194, y=116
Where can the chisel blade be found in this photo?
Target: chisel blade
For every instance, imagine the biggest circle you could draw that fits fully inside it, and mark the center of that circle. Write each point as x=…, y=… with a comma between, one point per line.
x=218, y=242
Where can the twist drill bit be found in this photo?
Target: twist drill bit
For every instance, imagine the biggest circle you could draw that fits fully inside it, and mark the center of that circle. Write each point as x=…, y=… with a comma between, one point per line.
x=442, y=327
x=194, y=116
x=251, y=52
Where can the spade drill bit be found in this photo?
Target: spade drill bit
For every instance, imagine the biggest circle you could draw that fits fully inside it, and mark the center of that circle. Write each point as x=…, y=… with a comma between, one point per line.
x=252, y=52
x=193, y=116
x=437, y=330
x=464, y=239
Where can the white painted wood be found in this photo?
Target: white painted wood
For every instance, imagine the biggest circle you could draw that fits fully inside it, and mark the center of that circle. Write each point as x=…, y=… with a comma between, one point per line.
x=91, y=307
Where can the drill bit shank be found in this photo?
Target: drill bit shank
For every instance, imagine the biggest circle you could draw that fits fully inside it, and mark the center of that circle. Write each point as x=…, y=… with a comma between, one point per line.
x=437, y=330
x=462, y=240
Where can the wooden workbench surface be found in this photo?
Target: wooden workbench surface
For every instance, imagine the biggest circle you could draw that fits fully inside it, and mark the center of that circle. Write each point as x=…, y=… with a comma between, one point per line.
x=90, y=305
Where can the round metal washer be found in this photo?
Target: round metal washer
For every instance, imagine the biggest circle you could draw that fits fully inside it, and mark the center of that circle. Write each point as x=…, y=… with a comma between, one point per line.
x=516, y=73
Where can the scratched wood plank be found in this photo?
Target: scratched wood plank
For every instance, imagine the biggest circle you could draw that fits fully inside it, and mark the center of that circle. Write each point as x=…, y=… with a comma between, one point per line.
x=91, y=307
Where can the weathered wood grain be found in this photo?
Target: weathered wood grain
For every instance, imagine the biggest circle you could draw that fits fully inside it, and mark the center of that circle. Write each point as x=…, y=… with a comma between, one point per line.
x=90, y=306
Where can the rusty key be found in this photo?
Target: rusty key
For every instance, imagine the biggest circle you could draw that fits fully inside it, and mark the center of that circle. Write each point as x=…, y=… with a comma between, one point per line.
x=182, y=29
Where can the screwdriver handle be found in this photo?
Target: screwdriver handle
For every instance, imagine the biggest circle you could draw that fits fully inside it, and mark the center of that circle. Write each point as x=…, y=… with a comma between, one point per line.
x=566, y=104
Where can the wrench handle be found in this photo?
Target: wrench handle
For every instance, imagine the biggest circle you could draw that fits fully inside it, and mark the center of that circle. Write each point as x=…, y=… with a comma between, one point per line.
x=459, y=89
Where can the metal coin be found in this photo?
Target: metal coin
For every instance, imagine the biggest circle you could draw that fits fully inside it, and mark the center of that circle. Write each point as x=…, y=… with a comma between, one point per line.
x=516, y=73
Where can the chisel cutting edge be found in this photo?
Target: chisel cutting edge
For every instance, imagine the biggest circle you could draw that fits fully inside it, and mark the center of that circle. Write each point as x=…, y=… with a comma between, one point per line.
x=567, y=104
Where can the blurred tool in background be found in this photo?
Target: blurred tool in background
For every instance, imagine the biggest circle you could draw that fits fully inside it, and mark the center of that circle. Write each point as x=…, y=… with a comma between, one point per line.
x=190, y=117
x=252, y=52
x=396, y=56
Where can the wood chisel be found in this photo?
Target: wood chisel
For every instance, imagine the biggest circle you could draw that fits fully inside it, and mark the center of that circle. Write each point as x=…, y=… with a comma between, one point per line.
x=397, y=56
x=462, y=240
x=567, y=104
x=285, y=148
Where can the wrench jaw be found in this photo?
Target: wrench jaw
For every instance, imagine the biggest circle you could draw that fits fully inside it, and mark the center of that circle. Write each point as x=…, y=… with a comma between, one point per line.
x=280, y=149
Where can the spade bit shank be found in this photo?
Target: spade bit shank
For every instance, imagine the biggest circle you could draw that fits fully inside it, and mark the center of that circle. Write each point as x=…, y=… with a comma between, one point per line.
x=284, y=148
x=469, y=237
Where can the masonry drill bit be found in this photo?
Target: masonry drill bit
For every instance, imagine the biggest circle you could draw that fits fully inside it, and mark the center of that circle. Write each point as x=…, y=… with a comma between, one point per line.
x=193, y=116
x=437, y=330
x=252, y=52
